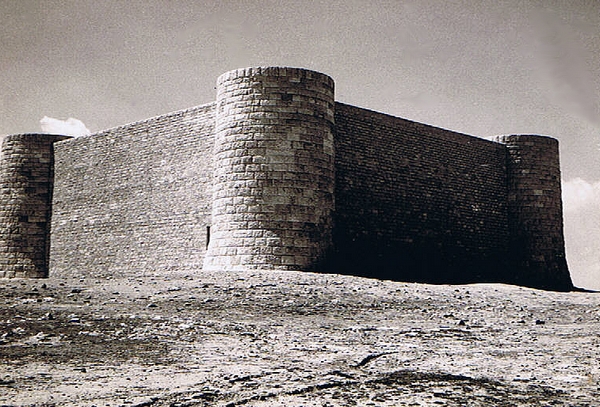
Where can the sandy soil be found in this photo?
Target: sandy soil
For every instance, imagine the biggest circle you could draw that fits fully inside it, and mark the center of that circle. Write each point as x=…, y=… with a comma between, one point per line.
x=294, y=339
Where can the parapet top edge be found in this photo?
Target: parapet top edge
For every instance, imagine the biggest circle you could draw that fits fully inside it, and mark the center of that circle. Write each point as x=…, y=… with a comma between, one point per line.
x=496, y=139
x=516, y=139
x=31, y=134
x=160, y=116
x=378, y=113
x=524, y=135
x=269, y=71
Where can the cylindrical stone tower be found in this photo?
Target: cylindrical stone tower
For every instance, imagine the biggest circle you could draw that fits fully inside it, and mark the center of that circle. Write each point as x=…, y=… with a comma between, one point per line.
x=535, y=215
x=274, y=170
x=26, y=180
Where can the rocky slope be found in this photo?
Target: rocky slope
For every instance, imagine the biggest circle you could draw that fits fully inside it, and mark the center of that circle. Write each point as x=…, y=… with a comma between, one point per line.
x=293, y=339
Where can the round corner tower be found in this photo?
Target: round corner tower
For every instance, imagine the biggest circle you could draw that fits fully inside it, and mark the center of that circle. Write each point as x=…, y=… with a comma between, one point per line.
x=535, y=213
x=273, y=192
x=26, y=183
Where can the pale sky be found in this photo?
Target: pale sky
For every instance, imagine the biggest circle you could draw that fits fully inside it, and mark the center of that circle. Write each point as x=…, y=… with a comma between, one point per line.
x=478, y=67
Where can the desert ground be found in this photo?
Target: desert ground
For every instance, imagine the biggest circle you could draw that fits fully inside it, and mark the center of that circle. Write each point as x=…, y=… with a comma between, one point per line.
x=293, y=339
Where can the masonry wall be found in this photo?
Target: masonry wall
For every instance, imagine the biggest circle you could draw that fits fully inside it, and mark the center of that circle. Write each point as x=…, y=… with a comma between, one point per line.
x=285, y=178
x=134, y=198
x=416, y=202
x=535, y=210
x=26, y=175
x=273, y=197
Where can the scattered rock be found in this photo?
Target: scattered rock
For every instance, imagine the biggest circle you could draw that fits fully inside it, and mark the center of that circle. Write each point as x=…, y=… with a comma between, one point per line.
x=297, y=339
x=47, y=317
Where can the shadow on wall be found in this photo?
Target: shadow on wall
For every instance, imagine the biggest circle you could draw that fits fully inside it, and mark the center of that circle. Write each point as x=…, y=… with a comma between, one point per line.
x=421, y=262
x=433, y=263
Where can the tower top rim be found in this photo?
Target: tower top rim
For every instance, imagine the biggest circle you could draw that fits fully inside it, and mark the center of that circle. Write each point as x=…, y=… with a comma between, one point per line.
x=276, y=71
x=512, y=138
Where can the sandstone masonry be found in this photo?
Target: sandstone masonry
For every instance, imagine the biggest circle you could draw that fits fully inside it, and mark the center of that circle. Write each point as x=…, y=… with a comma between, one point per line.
x=272, y=200
x=26, y=181
x=277, y=175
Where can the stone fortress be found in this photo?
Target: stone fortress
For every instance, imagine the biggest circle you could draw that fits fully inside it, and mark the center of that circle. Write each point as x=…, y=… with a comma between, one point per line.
x=278, y=175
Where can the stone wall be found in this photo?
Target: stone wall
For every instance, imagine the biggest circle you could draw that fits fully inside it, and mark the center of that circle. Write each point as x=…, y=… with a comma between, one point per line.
x=134, y=198
x=535, y=219
x=276, y=175
x=273, y=196
x=26, y=174
x=416, y=202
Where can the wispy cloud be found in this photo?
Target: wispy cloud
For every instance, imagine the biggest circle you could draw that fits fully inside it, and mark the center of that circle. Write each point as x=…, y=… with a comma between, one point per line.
x=578, y=194
x=69, y=127
x=581, y=200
